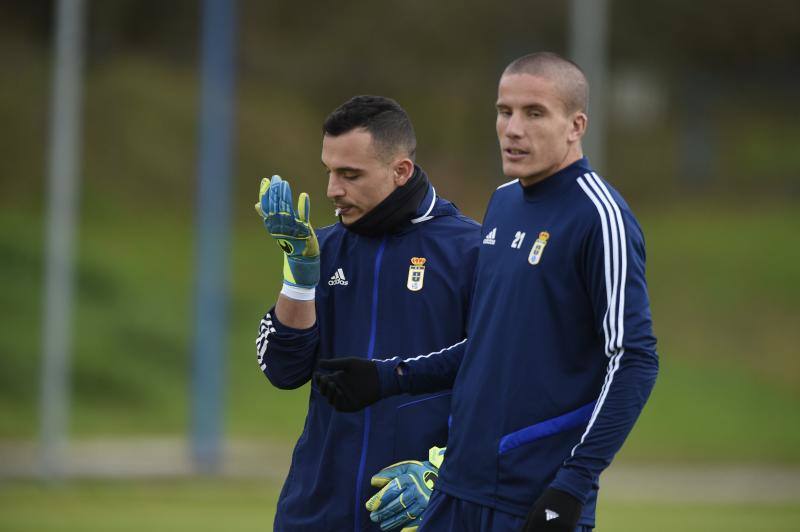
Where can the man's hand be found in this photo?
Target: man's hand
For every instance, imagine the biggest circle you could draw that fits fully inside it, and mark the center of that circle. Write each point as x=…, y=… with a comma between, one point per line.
x=555, y=511
x=352, y=384
x=406, y=490
x=291, y=230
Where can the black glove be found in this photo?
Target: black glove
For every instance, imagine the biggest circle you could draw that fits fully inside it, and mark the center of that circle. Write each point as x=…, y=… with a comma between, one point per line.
x=555, y=511
x=351, y=385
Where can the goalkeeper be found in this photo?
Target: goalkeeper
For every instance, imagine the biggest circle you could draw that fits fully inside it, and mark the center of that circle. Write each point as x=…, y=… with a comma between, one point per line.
x=394, y=274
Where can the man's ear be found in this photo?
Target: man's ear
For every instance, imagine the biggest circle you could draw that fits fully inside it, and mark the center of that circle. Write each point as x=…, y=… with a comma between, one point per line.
x=578, y=126
x=402, y=171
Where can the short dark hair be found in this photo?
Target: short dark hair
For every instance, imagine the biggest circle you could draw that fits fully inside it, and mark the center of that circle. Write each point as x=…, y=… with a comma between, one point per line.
x=383, y=118
x=572, y=83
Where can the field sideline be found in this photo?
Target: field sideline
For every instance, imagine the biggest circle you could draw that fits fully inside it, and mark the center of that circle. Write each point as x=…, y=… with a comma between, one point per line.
x=249, y=505
x=145, y=484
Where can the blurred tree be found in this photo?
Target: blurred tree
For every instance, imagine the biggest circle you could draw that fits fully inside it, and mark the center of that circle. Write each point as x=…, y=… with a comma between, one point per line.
x=440, y=60
x=718, y=35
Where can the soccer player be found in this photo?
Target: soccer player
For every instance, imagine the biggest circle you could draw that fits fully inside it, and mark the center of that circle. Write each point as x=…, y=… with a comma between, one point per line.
x=560, y=356
x=395, y=273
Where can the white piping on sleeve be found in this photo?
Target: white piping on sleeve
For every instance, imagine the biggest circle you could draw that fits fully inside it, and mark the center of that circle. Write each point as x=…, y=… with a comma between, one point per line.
x=606, y=261
x=623, y=261
x=439, y=352
x=616, y=302
x=615, y=262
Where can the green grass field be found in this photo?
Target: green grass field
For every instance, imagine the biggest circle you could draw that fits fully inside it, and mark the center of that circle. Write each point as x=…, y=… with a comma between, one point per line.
x=214, y=505
x=724, y=286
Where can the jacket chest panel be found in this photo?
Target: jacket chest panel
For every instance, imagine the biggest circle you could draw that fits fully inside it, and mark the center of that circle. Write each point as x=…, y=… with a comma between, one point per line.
x=526, y=245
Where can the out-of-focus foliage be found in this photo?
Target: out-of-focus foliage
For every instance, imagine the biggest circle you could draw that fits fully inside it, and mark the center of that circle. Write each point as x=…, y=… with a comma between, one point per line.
x=736, y=38
x=702, y=94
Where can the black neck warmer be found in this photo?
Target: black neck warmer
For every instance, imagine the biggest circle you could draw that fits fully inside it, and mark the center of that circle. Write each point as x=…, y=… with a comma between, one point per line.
x=395, y=212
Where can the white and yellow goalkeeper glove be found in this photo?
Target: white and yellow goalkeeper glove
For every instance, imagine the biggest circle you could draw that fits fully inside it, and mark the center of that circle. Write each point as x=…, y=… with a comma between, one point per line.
x=406, y=490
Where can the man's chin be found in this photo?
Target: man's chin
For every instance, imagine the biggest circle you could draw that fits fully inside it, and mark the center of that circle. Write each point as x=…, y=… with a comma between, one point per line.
x=349, y=219
x=514, y=170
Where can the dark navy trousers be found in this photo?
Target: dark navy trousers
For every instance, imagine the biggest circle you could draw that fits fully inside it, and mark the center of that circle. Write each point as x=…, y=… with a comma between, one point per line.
x=449, y=514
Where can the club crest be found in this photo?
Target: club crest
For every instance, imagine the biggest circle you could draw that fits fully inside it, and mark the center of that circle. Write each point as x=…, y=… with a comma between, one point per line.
x=538, y=248
x=416, y=274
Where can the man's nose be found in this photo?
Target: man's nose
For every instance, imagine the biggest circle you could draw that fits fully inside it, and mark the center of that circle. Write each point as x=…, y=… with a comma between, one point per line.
x=335, y=188
x=514, y=127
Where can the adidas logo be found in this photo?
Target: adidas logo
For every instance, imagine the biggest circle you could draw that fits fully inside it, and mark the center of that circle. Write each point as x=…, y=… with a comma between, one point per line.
x=549, y=515
x=490, y=238
x=338, y=278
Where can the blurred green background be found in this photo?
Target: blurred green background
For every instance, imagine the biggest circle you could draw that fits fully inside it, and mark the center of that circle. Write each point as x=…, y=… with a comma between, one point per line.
x=702, y=140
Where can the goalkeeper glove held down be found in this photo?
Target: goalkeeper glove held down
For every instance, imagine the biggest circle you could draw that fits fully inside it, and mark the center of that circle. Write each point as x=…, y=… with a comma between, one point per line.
x=405, y=492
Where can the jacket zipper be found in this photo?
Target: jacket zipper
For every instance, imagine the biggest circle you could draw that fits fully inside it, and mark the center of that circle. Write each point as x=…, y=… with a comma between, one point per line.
x=370, y=352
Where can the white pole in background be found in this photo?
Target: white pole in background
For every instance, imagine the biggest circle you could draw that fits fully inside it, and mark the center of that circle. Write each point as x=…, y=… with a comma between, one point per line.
x=65, y=146
x=588, y=47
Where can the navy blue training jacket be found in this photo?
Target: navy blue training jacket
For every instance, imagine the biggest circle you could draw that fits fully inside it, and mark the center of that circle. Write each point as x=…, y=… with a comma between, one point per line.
x=371, y=301
x=559, y=357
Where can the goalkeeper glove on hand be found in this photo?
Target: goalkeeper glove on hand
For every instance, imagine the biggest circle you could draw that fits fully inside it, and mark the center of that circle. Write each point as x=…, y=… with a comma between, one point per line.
x=351, y=385
x=555, y=511
x=406, y=490
x=291, y=230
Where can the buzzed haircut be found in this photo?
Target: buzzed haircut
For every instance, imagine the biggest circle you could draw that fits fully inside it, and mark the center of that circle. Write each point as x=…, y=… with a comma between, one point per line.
x=383, y=118
x=570, y=79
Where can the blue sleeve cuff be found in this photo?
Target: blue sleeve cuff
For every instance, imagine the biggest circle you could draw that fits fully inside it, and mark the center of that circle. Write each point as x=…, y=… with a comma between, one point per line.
x=285, y=329
x=576, y=484
x=388, y=378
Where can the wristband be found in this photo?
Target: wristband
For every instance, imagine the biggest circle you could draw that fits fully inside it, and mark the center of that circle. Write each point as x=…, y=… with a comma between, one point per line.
x=298, y=293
